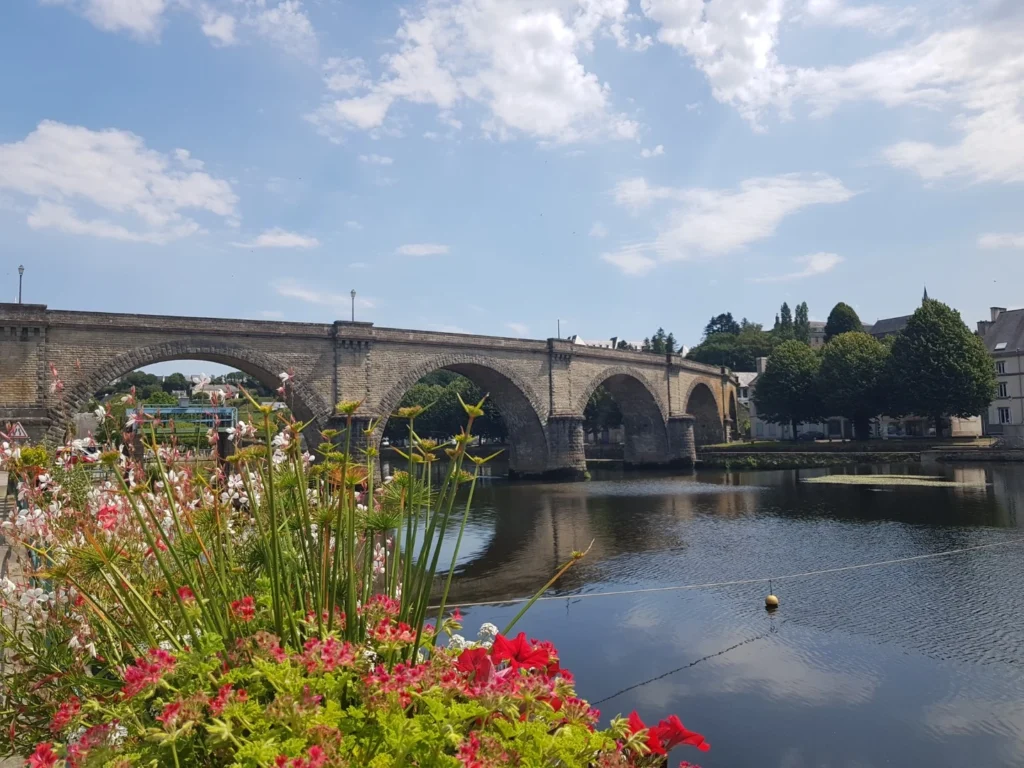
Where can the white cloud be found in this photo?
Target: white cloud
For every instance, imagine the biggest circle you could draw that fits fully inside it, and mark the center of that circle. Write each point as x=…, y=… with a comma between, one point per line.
x=813, y=264
x=731, y=41
x=285, y=25
x=598, y=230
x=1002, y=240
x=280, y=238
x=353, y=225
x=631, y=261
x=519, y=59
x=344, y=75
x=141, y=18
x=447, y=328
x=421, y=249
x=519, y=329
x=376, y=159
x=293, y=289
x=649, y=153
x=879, y=19
x=64, y=169
x=714, y=222
x=219, y=27
x=272, y=314
x=974, y=73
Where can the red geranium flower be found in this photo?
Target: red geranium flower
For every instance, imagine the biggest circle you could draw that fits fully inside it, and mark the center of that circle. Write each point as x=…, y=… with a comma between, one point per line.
x=186, y=594
x=519, y=652
x=653, y=736
x=672, y=732
x=43, y=757
x=244, y=609
x=65, y=714
x=475, y=661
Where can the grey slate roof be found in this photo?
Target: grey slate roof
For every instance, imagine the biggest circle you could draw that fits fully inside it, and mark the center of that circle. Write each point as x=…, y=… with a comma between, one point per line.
x=889, y=326
x=1008, y=328
x=745, y=377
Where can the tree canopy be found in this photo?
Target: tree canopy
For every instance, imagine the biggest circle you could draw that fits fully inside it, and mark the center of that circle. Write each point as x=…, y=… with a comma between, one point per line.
x=602, y=412
x=445, y=417
x=851, y=379
x=802, y=323
x=723, y=323
x=938, y=367
x=842, y=319
x=737, y=351
x=661, y=343
x=787, y=393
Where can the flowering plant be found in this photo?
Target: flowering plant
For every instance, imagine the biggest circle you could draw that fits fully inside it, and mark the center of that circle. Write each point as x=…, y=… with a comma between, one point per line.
x=271, y=612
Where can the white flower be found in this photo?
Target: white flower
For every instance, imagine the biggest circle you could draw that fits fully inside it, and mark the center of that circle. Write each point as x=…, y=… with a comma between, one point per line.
x=35, y=598
x=457, y=643
x=8, y=587
x=199, y=382
x=370, y=655
x=487, y=633
x=101, y=413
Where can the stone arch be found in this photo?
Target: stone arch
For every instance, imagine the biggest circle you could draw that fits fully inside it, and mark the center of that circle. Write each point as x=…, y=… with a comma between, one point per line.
x=643, y=413
x=307, y=404
x=520, y=407
x=702, y=404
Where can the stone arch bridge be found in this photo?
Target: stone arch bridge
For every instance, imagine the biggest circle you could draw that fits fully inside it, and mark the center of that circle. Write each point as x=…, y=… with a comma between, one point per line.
x=670, y=405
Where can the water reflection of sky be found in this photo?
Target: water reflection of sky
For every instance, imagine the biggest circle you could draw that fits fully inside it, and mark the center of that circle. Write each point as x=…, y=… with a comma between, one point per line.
x=910, y=664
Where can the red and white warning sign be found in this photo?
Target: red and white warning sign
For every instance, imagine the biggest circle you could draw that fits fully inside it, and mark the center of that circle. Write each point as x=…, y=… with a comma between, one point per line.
x=18, y=432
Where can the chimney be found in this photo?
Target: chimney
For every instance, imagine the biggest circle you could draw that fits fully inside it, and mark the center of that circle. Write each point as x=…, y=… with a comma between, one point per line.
x=983, y=326
x=996, y=311
x=762, y=363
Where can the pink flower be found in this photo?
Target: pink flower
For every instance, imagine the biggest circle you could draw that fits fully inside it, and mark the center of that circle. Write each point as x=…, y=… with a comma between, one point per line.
x=107, y=517
x=169, y=715
x=43, y=757
x=65, y=714
x=147, y=671
x=186, y=595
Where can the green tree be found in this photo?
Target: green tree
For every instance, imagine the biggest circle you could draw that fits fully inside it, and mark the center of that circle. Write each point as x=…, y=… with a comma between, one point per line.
x=660, y=343
x=601, y=412
x=623, y=344
x=785, y=325
x=175, y=382
x=786, y=393
x=938, y=368
x=842, y=319
x=739, y=352
x=851, y=379
x=722, y=323
x=159, y=397
x=802, y=323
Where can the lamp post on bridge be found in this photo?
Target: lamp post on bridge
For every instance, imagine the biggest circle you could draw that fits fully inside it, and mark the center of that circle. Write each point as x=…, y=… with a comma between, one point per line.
x=21, y=274
x=353, y=305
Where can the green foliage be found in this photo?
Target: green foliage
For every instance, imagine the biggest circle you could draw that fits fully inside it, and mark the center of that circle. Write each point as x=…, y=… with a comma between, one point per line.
x=786, y=393
x=445, y=416
x=737, y=351
x=176, y=382
x=602, y=412
x=842, y=319
x=851, y=380
x=802, y=323
x=660, y=343
x=160, y=397
x=723, y=323
x=785, y=322
x=939, y=368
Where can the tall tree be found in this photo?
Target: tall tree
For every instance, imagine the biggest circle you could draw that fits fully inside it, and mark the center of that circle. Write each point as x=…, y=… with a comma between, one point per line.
x=601, y=412
x=938, y=368
x=722, y=323
x=851, y=379
x=802, y=323
x=670, y=344
x=738, y=352
x=842, y=319
x=786, y=393
x=785, y=322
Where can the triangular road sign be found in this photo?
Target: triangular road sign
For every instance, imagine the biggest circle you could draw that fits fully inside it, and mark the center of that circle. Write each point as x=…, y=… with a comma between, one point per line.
x=18, y=432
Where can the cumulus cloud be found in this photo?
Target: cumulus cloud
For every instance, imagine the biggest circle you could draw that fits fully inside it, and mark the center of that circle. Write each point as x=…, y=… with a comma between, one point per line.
x=813, y=264
x=519, y=60
x=649, y=153
x=713, y=222
x=1002, y=240
x=879, y=19
x=109, y=184
x=421, y=249
x=519, y=329
x=280, y=238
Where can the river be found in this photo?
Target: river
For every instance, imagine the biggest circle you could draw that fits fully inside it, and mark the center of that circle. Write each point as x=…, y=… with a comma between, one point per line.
x=917, y=663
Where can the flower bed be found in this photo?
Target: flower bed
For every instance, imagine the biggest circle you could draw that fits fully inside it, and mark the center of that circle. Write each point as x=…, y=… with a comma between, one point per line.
x=273, y=612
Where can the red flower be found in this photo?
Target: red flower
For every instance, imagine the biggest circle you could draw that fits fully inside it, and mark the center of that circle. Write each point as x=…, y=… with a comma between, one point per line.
x=65, y=714
x=476, y=662
x=244, y=609
x=519, y=652
x=653, y=735
x=43, y=757
x=186, y=594
x=169, y=716
x=673, y=733
x=146, y=671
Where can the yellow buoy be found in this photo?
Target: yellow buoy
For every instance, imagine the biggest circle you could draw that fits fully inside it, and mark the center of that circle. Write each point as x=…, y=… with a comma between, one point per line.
x=771, y=602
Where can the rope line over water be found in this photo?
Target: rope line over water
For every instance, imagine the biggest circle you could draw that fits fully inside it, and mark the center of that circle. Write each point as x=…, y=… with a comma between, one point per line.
x=739, y=582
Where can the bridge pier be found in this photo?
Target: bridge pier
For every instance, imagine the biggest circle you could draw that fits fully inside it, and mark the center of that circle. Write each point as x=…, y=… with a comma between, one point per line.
x=566, y=457
x=681, y=441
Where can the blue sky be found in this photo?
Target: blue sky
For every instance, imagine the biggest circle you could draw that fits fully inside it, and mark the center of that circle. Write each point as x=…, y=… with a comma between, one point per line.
x=491, y=166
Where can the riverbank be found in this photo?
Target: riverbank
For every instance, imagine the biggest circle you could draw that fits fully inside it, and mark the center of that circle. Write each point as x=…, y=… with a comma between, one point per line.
x=735, y=459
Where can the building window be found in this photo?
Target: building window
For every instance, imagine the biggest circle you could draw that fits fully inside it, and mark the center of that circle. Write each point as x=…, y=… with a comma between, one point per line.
x=1004, y=415
x=1000, y=366
x=1002, y=389
x=743, y=392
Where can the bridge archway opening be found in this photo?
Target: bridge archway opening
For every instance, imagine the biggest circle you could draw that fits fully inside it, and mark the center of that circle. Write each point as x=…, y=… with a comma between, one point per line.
x=510, y=422
x=707, y=426
x=179, y=375
x=623, y=408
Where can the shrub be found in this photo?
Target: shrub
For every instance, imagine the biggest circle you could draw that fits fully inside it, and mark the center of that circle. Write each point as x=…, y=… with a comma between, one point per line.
x=274, y=613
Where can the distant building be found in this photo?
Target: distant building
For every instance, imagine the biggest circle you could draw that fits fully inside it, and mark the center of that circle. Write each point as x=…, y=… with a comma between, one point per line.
x=743, y=390
x=1003, y=336
x=613, y=343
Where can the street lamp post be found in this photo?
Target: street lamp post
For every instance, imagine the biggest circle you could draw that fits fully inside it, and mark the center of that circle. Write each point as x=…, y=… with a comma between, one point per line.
x=353, y=305
x=21, y=274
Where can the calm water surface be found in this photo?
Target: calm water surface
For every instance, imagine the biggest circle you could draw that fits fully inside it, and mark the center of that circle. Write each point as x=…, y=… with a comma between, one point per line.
x=913, y=664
